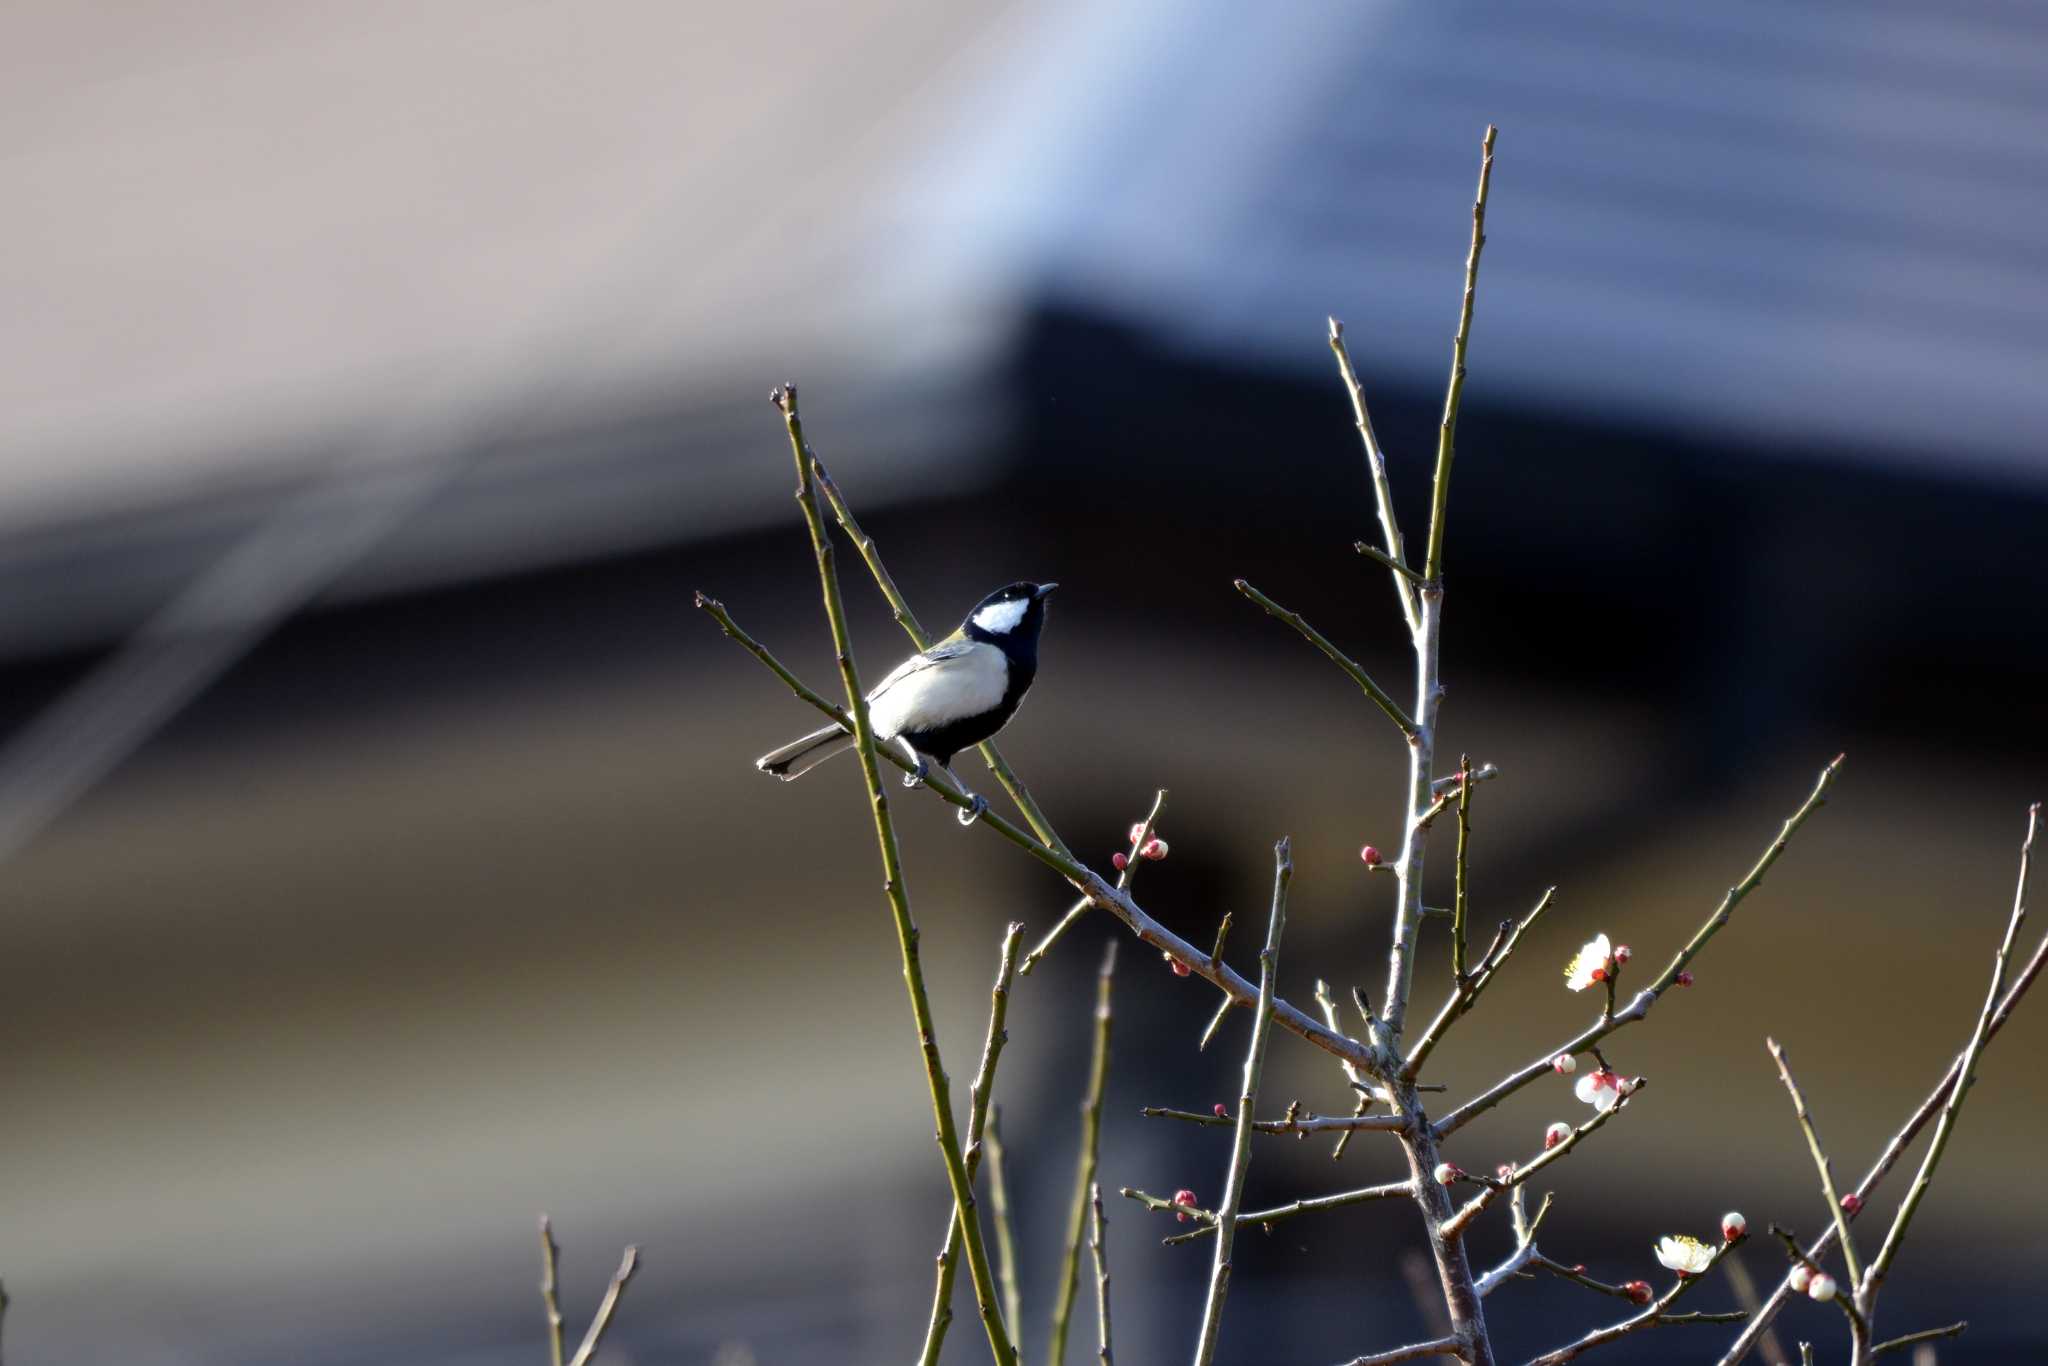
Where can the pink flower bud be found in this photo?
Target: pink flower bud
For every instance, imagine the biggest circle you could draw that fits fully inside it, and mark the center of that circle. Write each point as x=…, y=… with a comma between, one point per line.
x=1733, y=1225
x=1221, y=1113
x=1183, y=1197
x=1137, y=832
x=1579, y=1270
x=1370, y=855
x=1638, y=1291
x=1564, y=1064
x=1852, y=1203
x=1155, y=849
x=1556, y=1134
x=1505, y=1171
x=1801, y=1277
x=1683, y=979
x=1822, y=1287
x=1119, y=860
x=1180, y=969
x=1446, y=1173
x=1621, y=953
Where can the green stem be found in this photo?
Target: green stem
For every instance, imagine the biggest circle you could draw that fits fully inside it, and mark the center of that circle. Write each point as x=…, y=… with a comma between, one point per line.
x=1091, y=1140
x=1464, y=838
x=1447, y=432
x=1380, y=696
x=1006, y=1237
x=893, y=887
x=1097, y=1244
x=1247, y=1101
x=1395, y=556
x=977, y=1119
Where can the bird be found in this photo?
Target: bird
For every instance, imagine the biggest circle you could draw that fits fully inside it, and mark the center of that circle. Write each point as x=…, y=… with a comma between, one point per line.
x=943, y=699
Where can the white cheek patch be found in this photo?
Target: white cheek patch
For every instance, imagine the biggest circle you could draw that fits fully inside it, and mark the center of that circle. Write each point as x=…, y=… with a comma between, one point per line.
x=1002, y=618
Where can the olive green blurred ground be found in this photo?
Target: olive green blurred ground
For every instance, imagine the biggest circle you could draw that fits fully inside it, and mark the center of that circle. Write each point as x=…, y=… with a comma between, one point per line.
x=301, y=1030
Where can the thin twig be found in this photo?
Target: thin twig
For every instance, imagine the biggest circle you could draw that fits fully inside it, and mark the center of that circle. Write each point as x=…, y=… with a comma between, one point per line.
x=1096, y=1245
x=1380, y=696
x=1223, y=1008
x=1006, y=1237
x=1373, y=552
x=1820, y=1160
x=1965, y=1071
x=549, y=1255
x=1305, y=1124
x=990, y=755
x=1657, y=1315
x=977, y=1118
x=1091, y=1140
x=1953, y=1330
x=1383, y=492
x=1278, y=1213
x=1435, y=1347
x=1084, y=905
x=1241, y=1153
x=1893, y=1151
x=1466, y=993
x=893, y=885
x=1328, y=1005
x=602, y=1321
x=1648, y=996
x=1464, y=839
x=1447, y=431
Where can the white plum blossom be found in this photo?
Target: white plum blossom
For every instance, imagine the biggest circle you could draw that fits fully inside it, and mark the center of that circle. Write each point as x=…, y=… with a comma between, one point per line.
x=1599, y=1088
x=1686, y=1256
x=1590, y=964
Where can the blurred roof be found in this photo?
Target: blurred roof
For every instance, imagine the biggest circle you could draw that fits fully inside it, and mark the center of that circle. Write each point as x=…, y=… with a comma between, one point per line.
x=566, y=258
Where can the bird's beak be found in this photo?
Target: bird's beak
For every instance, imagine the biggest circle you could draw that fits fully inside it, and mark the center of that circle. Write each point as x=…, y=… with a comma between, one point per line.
x=1044, y=589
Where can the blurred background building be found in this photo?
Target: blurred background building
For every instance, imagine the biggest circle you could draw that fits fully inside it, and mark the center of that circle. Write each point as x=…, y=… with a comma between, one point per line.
x=383, y=863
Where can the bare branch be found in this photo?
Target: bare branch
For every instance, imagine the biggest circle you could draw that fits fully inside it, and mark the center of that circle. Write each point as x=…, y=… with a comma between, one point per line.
x=1447, y=432
x=1965, y=1071
x=1278, y=1213
x=1467, y=991
x=1647, y=997
x=1241, y=1153
x=1091, y=1144
x=1464, y=839
x=1953, y=1330
x=1893, y=1151
x=602, y=1322
x=893, y=886
x=977, y=1118
x=1307, y=1124
x=1436, y=1347
x=1395, y=557
x=1381, y=698
x=1820, y=1161
x=549, y=1298
x=1477, y=1205
x=1006, y=1238
x=1096, y=1246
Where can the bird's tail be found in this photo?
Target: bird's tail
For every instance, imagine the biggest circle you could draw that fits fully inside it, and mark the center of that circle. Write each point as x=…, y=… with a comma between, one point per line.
x=799, y=757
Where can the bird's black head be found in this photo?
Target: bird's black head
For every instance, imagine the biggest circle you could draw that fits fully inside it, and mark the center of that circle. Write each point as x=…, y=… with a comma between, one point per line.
x=1010, y=617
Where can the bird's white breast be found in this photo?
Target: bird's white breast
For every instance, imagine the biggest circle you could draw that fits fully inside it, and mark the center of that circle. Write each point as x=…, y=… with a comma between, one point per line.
x=924, y=694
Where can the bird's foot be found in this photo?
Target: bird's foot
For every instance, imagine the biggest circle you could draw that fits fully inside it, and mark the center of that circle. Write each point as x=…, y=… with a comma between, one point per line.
x=975, y=806
x=916, y=777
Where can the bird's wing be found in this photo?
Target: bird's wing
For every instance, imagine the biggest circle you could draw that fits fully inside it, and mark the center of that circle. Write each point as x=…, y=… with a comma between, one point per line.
x=953, y=679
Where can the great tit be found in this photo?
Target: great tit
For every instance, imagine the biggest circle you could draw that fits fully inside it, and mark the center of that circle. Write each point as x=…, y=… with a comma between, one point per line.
x=936, y=703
